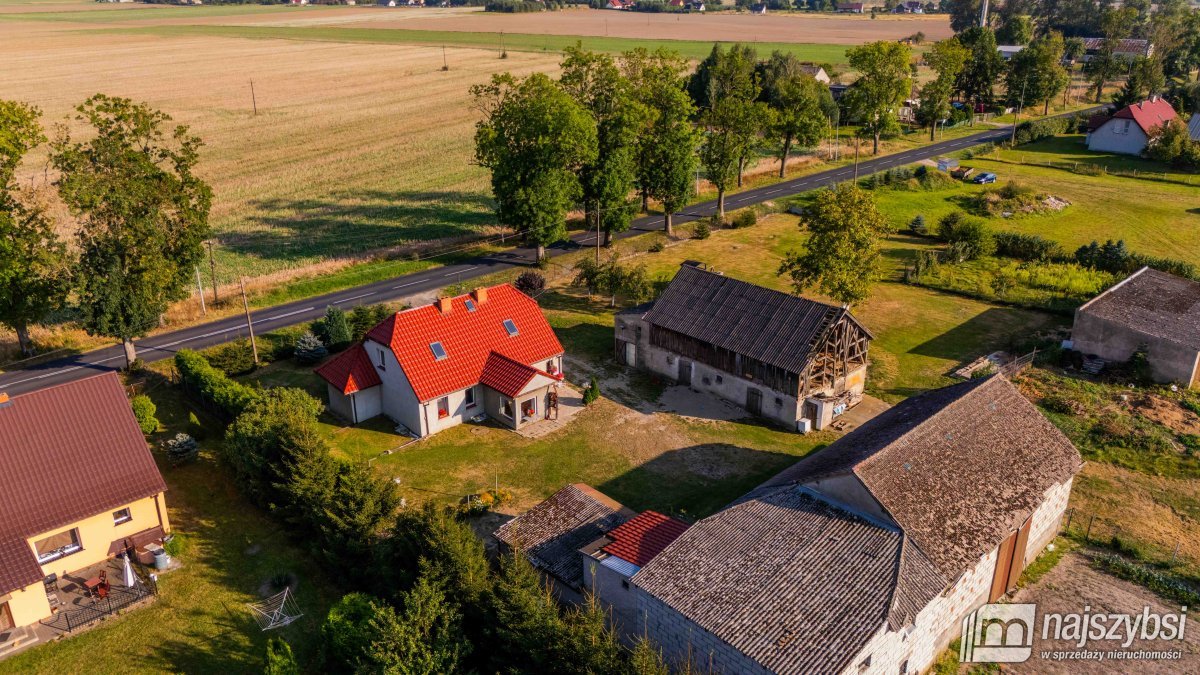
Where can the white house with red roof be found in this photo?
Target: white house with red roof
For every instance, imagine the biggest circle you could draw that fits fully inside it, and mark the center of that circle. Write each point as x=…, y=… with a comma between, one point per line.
x=1128, y=131
x=489, y=353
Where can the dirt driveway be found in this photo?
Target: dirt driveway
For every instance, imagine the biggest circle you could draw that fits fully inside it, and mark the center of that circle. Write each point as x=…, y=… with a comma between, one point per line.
x=1073, y=586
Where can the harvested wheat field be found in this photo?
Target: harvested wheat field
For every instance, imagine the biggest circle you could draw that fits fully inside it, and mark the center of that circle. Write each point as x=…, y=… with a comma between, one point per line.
x=353, y=148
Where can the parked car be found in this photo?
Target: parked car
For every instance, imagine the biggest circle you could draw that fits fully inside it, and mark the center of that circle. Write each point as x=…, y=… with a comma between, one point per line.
x=984, y=179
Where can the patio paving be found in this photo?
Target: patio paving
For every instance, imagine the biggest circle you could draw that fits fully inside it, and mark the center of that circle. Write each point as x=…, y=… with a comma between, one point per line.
x=570, y=403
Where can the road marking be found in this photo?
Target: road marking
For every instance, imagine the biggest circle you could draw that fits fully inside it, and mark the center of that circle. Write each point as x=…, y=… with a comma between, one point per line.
x=456, y=272
x=356, y=297
x=411, y=283
x=63, y=370
x=284, y=316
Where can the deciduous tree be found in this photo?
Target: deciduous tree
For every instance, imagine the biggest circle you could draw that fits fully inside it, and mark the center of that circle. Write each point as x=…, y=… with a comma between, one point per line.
x=799, y=105
x=534, y=138
x=946, y=58
x=1036, y=74
x=842, y=255
x=983, y=69
x=143, y=214
x=879, y=92
x=1107, y=64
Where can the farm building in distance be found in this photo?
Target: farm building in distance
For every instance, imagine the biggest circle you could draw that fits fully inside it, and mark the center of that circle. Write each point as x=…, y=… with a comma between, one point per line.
x=489, y=353
x=1128, y=131
x=863, y=557
x=77, y=486
x=1153, y=310
x=789, y=359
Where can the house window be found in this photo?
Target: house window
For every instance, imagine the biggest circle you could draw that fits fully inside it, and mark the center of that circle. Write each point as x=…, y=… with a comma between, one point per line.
x=57, y=546
x=469, y=397
x=528, y=409
x=443, y=407
x=510, y=327
x=550, y=368
x=382, y=362
x=506, y=408
x=122, y=516
x=470, y=305
x=439, y=352
x=865, y=665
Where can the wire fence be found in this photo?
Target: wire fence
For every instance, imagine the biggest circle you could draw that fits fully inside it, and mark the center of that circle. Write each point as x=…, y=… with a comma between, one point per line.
x=1091, y=529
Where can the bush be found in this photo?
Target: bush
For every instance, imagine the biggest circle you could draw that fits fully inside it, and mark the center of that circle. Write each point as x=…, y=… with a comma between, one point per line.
x=703, y=229
x=346, y=633
x=235, y=358
x=1114, y=257
x=745, y=218
x=211, y=385
x=334, y=329
x=175, y=545
x=1036, y=130
x=182, y=448
x=969, y=238
x=658, y=246
x=592, y=392
x=1029, y=247
x=144, y=411
x=309, y=349
x=530, y=283
x=918, y=226
x=280, y=660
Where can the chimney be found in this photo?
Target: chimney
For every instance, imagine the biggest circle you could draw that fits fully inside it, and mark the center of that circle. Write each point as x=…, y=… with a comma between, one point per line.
x=443, y=305
x=4, y=400
x=480, y=295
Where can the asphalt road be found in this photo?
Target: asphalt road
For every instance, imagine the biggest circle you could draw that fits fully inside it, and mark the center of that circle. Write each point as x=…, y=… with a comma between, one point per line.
x=272, y=318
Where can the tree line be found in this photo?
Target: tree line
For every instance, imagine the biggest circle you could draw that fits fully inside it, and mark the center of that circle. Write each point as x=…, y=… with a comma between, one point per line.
x=142, y=216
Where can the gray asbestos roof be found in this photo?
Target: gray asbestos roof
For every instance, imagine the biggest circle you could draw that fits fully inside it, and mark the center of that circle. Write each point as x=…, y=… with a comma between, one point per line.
x=1152, y=303
x=551, y=533
x=764, y=324
x=796, y=584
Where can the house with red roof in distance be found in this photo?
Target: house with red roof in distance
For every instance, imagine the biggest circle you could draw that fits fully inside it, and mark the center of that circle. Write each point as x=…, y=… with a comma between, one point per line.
x=489, y=353
x=1128, y=131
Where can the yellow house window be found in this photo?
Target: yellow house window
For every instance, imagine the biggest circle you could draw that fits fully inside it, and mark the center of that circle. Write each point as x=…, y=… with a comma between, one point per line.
x=122, y=516
x=57, y=546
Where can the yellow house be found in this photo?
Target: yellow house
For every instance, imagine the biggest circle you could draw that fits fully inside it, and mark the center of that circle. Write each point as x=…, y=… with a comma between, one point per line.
x=77, y=486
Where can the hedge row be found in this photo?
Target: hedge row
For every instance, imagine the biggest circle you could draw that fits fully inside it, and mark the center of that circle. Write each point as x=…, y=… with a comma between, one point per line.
x=1036, y=130
x=212, y=385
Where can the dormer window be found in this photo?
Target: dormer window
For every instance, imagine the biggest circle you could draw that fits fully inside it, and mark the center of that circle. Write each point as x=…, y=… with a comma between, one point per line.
x=470, y=305
x=510, y=327
x=439, y=352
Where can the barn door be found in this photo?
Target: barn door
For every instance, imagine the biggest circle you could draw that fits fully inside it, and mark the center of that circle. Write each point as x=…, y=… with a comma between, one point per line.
x=630, y=354
x=1010, y=561
x=685, y=372
x=754, y=401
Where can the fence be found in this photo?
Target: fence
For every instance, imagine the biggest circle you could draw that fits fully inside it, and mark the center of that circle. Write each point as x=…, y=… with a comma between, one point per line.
x=1089, y=528
x=1014, y=367
x=119, y=598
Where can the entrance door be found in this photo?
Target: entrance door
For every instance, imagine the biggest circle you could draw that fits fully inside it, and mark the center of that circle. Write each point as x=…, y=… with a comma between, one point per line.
x=1010, y=561
x=754, y=401
x=630, y=354
x=685, y=372
x=6, y=620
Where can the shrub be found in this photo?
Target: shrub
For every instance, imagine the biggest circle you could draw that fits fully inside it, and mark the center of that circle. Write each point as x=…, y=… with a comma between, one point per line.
x=1036, y=130
x=745, y=218
x=703, y=229
x=211, y=385
x=658, y=246
x=969, y=238
x=1030, y=247
x=365, y=317
x=592, y=392
x=309, y=348
x=530, y=283
x=280, y=660
x=235, y=358
x=918, y=226
x=175, y=545
x=334, y=329
x=947, y=224
x=346, y=633
x=144, y=410
x=182, y=448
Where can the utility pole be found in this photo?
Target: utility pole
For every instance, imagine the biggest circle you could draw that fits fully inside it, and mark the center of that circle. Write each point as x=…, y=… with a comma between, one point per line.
x=200, y=287
x=1017, y=116
x=501, y=44
x=253, y=99
x=212, y=268
x=856, y=159
x=983, y=14
x=445, y=63
x=598, y=219
x=249, y=323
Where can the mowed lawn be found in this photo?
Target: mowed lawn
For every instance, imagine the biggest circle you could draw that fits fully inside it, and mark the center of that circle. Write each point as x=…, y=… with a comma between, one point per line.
x=1156, y=212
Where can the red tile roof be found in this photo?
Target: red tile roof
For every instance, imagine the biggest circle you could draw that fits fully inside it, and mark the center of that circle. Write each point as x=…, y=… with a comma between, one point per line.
x=643, y=537
x=507, y=376
x=350, y=371
x=469, y=338
x=66, y=453
x=1147, y=114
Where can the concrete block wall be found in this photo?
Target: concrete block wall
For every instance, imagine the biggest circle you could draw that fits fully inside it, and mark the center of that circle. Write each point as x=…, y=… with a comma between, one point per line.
x=1169, y=362
x=682, y=641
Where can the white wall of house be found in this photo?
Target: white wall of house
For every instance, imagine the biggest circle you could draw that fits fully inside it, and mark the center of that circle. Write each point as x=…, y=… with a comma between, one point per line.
x=398, y=401
x=340, y=404
x=456, y=406
x=615, y=591
x=1122, y=136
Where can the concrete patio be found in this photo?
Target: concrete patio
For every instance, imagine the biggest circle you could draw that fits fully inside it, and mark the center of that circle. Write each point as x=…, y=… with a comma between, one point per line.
x=570, y=403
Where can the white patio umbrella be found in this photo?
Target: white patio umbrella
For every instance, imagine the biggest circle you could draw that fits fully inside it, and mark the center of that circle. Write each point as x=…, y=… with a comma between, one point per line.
x=128, y=577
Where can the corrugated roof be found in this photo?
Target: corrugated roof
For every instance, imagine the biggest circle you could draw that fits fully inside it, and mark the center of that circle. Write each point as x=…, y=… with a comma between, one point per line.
x=958, y=468
x=468, y=337
x=350, y=371
x=643, y=537
x=796, y=584
x=551, y=533
x=66, y=453
x=773, y=327
x=1152, y=303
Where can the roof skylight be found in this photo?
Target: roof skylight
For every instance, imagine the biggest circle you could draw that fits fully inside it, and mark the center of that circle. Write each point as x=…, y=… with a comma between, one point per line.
x=439, y=352
x=510, y=327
